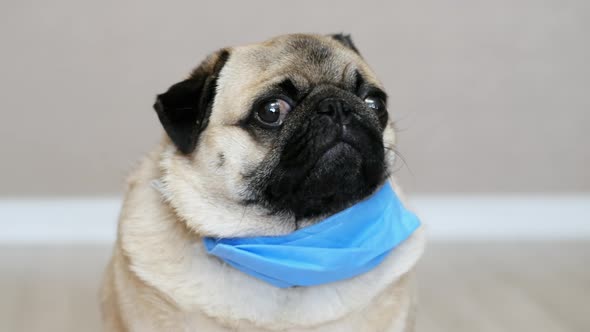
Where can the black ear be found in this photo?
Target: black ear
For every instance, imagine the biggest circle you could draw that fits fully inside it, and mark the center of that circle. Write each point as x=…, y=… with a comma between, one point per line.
x=345, y=40
x=184, y=109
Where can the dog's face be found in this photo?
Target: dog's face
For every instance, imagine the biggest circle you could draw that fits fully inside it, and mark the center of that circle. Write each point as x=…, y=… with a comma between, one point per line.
x=291, y=129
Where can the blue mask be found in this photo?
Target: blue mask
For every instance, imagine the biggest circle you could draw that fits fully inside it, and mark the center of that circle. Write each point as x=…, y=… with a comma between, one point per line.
x=342, y=246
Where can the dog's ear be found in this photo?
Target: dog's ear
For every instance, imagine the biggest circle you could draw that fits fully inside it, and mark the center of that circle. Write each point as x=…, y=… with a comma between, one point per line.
x=345, y=40
x=185, y=108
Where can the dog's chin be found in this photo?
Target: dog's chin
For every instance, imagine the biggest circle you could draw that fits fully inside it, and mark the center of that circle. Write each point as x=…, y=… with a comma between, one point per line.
x=340, y=177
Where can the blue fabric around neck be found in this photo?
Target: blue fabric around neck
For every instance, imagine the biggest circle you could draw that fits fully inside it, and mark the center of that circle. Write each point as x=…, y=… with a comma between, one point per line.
x=341, y=246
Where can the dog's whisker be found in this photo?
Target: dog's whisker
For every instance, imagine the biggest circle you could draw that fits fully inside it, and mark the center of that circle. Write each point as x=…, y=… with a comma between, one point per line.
x=401, y=157
x=243, y=215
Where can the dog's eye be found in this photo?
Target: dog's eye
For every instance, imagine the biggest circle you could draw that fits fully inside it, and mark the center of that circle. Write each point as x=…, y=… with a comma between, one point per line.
x=375, y=103
x=273, y=112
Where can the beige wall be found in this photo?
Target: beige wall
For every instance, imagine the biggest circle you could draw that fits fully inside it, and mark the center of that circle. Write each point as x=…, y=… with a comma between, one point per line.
x=491, y=96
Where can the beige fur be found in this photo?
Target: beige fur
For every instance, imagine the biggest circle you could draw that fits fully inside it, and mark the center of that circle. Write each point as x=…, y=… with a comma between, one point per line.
x=160, y=278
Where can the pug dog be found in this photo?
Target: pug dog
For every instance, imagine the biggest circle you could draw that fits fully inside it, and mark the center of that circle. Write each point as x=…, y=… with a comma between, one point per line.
x=260, y=140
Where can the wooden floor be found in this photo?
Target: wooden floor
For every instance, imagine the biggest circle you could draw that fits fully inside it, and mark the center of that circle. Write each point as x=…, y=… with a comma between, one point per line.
x=464, y=287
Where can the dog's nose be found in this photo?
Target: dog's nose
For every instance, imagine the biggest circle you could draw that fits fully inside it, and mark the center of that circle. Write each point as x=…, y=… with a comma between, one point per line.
x=335, y=108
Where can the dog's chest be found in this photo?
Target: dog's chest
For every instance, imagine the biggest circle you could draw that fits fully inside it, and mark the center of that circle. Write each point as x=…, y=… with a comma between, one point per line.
x=381, y=315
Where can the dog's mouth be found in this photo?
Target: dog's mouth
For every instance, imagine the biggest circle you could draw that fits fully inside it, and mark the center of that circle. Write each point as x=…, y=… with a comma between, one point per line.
x=342, y=159
x=330, y=181
x=339, y=147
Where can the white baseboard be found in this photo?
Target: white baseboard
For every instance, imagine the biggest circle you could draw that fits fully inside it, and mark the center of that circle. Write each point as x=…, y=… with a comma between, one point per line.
x=59, y=220
x=447, y=217
x=505, y=217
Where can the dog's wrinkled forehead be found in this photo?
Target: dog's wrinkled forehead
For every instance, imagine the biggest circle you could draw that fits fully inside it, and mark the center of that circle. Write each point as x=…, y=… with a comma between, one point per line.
x=306, y=60
x=314, y=60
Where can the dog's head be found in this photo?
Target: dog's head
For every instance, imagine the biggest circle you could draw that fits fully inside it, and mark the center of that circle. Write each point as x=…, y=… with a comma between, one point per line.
x=265, y=137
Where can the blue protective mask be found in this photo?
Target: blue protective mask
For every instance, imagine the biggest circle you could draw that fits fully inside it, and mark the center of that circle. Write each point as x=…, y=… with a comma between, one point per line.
x=342, y=246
